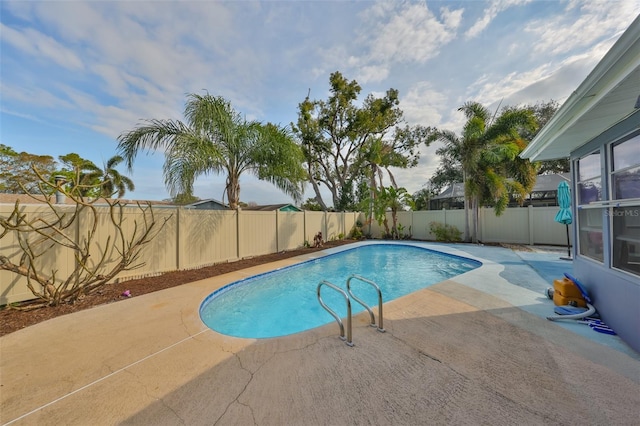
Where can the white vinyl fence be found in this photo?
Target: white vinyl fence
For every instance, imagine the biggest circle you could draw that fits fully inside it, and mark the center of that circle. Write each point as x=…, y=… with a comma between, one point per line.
x=525, y=225
x=196, y=238
x=190, y=239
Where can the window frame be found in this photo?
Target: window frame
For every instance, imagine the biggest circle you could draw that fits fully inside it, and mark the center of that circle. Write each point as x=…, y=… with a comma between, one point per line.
x=586, y=231
x=619, y=208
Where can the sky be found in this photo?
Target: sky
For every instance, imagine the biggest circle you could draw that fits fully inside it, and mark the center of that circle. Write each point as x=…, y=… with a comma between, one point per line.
x=74, y=75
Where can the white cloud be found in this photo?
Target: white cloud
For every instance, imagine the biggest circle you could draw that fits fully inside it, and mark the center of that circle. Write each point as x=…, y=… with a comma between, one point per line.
x=422, y=104
x=41, y=46
x=490, y=13
x=410, y=33
x=550, y=80
x=596, y=20
x=392, y=35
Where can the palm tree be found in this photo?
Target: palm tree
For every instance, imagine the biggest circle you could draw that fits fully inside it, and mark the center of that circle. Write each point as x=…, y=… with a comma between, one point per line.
x=216, y=139
x=454, y=151
x=112, y=181
x=390, y=199
x=82, y=175
x=397, y=199
x=377, y=157
x=488, y=154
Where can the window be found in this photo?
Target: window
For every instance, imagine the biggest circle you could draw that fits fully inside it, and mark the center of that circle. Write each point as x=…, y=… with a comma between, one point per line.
x=590, y=217
x=625, y=216
x=590, y=233
x=589, y=180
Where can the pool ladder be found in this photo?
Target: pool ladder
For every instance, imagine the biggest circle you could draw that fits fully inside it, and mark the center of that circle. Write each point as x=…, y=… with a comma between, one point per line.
x=348, y=295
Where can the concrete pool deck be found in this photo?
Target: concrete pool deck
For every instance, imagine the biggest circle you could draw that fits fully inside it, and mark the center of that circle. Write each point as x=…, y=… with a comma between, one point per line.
x=474, y=349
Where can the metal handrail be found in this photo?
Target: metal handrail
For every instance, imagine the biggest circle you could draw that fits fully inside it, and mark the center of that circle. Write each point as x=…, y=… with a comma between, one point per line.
x=373, y=318
x=333, y=314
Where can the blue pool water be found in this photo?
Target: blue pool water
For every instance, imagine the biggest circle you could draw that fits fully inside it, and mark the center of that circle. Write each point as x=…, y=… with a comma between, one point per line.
x=285, y=301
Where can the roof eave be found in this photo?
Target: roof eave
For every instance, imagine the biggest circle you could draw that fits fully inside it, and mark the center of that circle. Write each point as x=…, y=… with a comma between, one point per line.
x=618, y=64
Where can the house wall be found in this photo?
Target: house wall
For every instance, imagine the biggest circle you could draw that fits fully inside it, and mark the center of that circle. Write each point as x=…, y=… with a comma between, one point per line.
x=615, y=293
x=616, y=296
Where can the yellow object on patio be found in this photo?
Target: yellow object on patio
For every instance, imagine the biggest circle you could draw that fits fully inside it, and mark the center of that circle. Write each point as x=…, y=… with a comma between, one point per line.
x=565, y=292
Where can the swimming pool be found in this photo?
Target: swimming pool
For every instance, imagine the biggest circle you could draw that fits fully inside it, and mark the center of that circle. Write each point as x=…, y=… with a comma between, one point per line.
x=284, y=301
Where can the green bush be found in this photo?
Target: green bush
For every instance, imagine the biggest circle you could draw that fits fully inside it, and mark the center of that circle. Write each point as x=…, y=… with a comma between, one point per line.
x=445, y=233
x=356, y=233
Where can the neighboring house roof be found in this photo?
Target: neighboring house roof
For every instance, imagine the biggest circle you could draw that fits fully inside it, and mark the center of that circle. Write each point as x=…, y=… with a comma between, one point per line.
x=452, y=191
x=208, y=201
x=543, y=183
x=28, y=199
x=40, y=199
x=273, y=207
x=609, y=95
x=550, y=182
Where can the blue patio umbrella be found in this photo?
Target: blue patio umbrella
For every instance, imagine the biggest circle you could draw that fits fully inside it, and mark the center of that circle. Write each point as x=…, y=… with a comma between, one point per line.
x=564, y=214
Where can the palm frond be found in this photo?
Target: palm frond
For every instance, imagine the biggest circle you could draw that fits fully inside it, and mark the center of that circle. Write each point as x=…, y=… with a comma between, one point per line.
x=151, y=136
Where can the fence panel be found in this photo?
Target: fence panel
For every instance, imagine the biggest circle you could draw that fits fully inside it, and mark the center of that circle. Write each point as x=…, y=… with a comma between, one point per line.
x=290, y=230
x=510, y=227
x=349, y=220
x=50, y=258
x=206, y=237
x=257, y=233
x=314, y=223
x=404, y=223
x=546, y=230
x=335, y=226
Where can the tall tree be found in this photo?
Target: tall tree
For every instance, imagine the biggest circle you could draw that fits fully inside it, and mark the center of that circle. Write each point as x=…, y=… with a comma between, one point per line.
x=449, y=171
x=488, y=151
x=16, y=170
x=457, y=151
x=423, y=196
x=83, y=176
x=338, y=138
x=112, y=181
x=216, y=139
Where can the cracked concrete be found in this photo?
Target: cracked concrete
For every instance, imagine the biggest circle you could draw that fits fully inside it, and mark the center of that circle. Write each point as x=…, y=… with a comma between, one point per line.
x=453, y=353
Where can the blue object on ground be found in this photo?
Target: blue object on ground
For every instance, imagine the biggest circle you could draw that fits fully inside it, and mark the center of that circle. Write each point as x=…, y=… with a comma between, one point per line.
x=597, y=325
x=582, y=288
x=569, y=310
x=603, y=329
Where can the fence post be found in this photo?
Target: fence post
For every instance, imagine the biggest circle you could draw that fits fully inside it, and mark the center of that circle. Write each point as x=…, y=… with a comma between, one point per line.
x=304, y=227
x=530, y=220
x=178, y=220
x=277, y=231
x=325, y=231
x=411, y=226
x=481, y=219
x=238, y=234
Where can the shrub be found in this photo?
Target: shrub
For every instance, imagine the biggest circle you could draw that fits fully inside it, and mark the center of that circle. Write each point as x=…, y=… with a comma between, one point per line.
x=356, y=233
x=445, y=233
x=402, y=235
